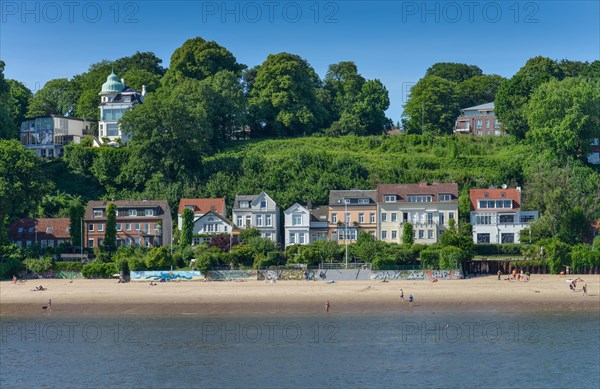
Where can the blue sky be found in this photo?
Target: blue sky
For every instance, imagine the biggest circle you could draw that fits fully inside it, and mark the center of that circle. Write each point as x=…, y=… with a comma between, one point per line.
x=394, y=41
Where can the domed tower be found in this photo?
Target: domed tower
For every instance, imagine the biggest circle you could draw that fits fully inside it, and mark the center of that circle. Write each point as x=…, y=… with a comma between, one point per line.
x=115, y=98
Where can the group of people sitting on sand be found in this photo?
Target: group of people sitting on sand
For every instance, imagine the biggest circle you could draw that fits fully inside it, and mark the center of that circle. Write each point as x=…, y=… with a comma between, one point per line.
x=38, y=289
x=514, y=276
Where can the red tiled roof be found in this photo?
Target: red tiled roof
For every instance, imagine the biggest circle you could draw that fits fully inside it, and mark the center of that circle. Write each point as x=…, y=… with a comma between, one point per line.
x=496, y=194
x=405, y=190
x=47, y=228
x=203, y=206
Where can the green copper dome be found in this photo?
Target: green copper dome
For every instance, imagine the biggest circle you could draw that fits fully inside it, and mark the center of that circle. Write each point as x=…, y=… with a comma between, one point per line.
x=112, y=84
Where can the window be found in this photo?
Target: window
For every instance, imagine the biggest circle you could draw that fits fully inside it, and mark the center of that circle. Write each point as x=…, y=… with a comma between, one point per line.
x=526, y=218
x=146, y=227
x=362, y=201
x=156, y=227
x=138, y=241
x=128, y=241
x=405, y=217
x=483, y=219
x=507, y=218
x=292, y=238
x=394, y=234
x=421, y=234
x=483, y=238
x=248, y=221
x=429, y=218
x=49, y=229
x=149, y=212
x=389, y=198
x=445, y=197
x=301, y=238
x=507, y=203
x=136, y=226
x=100, y=227
x=119, y=242
x=132, y=212
x=383, y=234
x=128, y=226
x=296, y=219
x=487, y=123
x=361, y=217
x=20, y=230
x=482, y=204
x=334, y=218
x=118, y=226
x=100, y=241
x=450, y=215
x=112, y=129
x=371, y=218
x=478, y=123
x=394, y=216
x=419, y=199
x=347, y=217
x=496, y=124
x=244, y=204
x=429, y=234
x=441, y=218
x=210, y=228
x=263, y=204
x=499, y=204
x=98, y=213
x=90, y=242
x=259, y=220
x=239, y=221
x=383, y=216
x=508, y=238
x=90, y=227
x=268, y=222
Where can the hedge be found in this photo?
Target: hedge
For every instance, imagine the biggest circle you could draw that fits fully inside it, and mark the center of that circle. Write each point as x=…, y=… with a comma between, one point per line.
x=68, y=266
x=511, y=249
x=99, y=269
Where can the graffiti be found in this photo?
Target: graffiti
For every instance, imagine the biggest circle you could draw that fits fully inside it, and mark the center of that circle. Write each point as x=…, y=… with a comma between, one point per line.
x=68, y=275
x=416, y=275
x=283, y=274
x=166, y=275
x=229, y=275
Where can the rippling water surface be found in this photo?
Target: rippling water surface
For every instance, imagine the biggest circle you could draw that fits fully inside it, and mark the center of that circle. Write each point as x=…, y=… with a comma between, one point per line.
x=393, y=350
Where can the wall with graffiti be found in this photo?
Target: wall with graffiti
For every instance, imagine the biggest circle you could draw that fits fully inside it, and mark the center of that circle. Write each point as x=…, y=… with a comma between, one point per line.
x=344, y=274
x=231, y=275
x=179, y=275
x=286, y=274
x=416, y=275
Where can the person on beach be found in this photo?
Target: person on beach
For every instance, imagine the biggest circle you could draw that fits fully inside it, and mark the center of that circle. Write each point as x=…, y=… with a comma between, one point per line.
x=14, y=279
x=585, y=290
x=499, y=274
x=402, y=295
x=327, y=305
x=410, y=299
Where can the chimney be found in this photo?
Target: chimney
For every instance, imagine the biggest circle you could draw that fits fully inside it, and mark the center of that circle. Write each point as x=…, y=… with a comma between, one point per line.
x=123, y=82
x=143, y=90
x=308, y=204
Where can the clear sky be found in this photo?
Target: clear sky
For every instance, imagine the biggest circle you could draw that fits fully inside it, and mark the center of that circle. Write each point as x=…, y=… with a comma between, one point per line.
x=394, y=41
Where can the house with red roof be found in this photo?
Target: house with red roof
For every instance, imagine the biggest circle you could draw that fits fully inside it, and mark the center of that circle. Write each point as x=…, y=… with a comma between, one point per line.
x=47, y=232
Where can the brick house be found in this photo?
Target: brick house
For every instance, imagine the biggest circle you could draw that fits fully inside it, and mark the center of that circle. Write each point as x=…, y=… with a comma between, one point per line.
x=139, y=223
x=47, y=232
x=479, y=120
x=351, y=212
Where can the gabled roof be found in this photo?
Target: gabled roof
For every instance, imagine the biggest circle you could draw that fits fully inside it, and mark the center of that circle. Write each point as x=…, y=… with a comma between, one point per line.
x=496, y=194
x=202, y=206
x=294, y=207
x=405, y=190
x=251, y=198
x=216, y=214
x=481, y=107
x=47, y=228
x=319, y=214
x=336, y=197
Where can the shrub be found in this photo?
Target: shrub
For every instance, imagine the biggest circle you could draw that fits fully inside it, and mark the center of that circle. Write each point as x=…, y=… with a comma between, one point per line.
x=38, y=265
x=383, y=263
x=430, y=259
x=99, y=269
x=10, y=267
x=450, y=258
x=68, y=266
x=159, y=259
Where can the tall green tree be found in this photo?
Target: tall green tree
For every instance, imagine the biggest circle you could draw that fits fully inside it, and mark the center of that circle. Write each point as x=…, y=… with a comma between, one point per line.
x=110, y=233
x=478, y=90
x=408, y=234
x=514, y=93
x=432, y=107
x=18, y=102
x=343, y=84
x=57, y=97
x=7, y=125
x=199, y=59
x=76, y=214
x=21, y=182
x=283, y=99
x=187, y=228
x=455, y=72
x=563, y=116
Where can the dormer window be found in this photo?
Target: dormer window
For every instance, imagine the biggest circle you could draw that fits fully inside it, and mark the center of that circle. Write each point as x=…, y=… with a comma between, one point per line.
x=445, y=197
x=49, y=229
x=389, y=198
x=149, y=212
x=132, y=212
x=361, y=201
x=503, y=194
x=485, y=194
x=244, y=204
x=98, y=213
x=189, y=207
x=20, y=230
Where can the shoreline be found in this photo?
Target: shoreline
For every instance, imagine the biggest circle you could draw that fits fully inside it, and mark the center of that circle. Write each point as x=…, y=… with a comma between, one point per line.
x=544, y=293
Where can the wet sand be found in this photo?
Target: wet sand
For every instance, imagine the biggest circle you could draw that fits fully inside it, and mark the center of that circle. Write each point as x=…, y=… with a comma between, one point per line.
x=106, y=297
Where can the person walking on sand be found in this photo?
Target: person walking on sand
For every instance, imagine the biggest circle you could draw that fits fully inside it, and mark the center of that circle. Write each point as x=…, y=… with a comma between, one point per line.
x=327, y=305
x=585, y=290
x=14, y=279
x=410, y=299
x=499, y=274
x=402, y=295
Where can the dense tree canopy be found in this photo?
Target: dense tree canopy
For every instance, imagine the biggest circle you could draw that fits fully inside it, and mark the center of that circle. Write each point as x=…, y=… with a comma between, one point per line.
x=456, y=72
x=7, y=124
x=432, y=107
x=57, y=97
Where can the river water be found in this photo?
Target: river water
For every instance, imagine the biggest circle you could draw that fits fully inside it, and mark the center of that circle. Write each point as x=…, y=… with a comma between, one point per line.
x=386, y=350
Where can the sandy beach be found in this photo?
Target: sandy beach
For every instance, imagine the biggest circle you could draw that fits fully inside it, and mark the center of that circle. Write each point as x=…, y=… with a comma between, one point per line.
x=106, y=297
